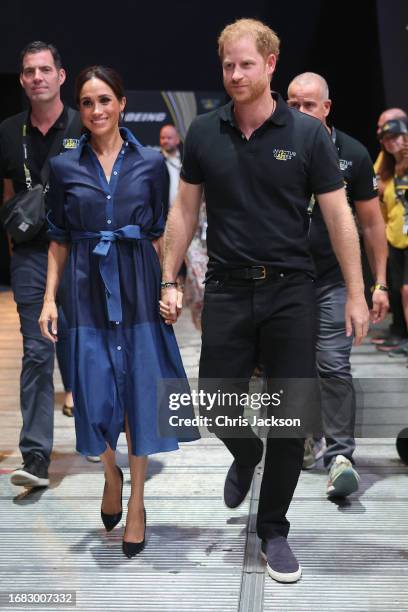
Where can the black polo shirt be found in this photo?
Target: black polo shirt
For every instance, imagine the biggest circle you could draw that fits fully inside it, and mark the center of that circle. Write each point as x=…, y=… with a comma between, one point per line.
x=360, y=182
x=257, y=191
x=38, y=146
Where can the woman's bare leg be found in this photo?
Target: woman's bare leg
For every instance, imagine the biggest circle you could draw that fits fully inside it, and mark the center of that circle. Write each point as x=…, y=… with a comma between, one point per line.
x=68, y=399
x=111, y=502
x=134, y=531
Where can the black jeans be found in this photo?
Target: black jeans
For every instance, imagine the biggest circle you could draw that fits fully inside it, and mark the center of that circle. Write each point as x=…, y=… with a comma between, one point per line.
x=273, y=320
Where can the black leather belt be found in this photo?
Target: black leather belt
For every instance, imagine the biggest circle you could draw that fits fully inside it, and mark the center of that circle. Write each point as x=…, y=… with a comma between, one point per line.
x=250, y=273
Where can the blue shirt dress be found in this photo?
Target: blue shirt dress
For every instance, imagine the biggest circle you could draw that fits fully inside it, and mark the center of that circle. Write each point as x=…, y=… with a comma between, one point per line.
x=120, y=347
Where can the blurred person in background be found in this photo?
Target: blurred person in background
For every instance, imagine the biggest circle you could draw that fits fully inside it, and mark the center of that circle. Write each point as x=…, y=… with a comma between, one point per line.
x=397, y=332
x=309, y=93
x=393, y=172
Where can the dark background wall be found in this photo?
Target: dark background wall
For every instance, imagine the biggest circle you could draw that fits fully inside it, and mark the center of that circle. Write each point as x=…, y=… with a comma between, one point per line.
x=359, y=46
x=172, y=45
x=393, y=39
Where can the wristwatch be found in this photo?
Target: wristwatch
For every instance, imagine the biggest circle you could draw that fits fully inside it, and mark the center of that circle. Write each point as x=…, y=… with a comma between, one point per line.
x=379, y=287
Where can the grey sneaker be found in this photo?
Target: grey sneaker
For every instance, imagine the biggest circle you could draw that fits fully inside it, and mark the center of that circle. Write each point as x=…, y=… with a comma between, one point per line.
x=281, y=563
x=343, y=478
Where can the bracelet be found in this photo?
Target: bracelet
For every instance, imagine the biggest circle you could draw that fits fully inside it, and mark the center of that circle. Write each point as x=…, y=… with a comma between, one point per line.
x=379, y=287
x=168, y=284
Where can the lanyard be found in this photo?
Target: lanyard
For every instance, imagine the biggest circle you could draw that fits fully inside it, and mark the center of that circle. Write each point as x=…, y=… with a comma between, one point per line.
x=27, y=173
x=401, y=193
x=53, y=150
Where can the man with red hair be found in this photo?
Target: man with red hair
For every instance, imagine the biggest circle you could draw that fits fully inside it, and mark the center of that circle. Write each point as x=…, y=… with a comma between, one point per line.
x=259, y=162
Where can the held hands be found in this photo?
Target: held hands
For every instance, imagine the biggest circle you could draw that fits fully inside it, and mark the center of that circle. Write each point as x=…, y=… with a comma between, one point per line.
x=171, y=304
x=380, y=306
x=48, y=319
x=357, y=317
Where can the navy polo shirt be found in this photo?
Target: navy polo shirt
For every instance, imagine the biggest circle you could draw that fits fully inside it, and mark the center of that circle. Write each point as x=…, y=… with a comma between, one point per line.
x=12, y=158
x=257, y=190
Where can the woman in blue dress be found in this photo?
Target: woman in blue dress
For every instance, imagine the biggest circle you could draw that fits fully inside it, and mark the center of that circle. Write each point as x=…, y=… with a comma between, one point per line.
x=105, y=202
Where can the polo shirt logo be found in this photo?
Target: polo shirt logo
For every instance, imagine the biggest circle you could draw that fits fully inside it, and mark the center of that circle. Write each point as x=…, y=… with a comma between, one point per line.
x=282, y=155
x=70, y=143
x=344, y=164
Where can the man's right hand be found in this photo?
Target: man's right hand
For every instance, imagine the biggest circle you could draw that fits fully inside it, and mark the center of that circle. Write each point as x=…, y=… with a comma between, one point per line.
x=171, y=304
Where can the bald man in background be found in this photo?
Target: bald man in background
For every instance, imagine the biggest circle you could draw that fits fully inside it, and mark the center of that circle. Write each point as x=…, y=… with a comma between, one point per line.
x=169, y=146
x=309, y=93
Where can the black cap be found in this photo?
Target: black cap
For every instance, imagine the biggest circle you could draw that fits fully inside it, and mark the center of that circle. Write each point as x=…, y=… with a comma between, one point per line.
x=394, y=126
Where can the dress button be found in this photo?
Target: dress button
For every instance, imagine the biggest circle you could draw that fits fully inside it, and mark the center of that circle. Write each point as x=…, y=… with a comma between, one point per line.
x=281, y=274
x=115, y=173
x=109, y=222
x=108, y=197
x=117, y=322
x=119, y=348
x=122, y=151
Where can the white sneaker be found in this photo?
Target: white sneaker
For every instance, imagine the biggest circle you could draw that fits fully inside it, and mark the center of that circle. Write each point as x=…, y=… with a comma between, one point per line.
x=343, y=478
x=93, y=458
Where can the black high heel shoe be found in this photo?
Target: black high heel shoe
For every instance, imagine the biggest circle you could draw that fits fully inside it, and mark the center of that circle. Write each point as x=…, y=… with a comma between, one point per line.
x=131, y=549
x=111, y=520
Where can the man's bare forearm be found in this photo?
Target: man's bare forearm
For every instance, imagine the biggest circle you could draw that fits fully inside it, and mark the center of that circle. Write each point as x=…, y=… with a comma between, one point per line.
x=180, y=228
x=344, y=238
x=377, y=252
x=375, y=242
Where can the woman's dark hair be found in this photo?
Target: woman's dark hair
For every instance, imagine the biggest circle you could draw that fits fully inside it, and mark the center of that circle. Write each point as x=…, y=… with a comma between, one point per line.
x=105, y=74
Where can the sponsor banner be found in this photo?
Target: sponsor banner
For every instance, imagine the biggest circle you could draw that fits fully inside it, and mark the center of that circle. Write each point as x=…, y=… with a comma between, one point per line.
x=147, y=111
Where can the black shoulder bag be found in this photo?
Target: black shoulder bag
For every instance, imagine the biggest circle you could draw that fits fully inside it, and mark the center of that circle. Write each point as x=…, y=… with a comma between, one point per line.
x=23, y=215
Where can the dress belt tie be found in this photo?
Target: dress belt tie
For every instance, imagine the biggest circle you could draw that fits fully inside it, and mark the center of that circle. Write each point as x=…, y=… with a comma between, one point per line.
x=108, y=262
